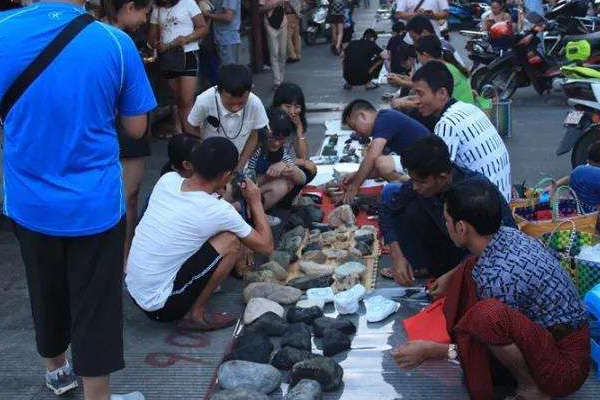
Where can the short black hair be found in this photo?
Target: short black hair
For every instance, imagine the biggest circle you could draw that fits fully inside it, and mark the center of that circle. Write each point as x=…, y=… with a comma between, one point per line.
x=280, y=123
x=180, y=149
x=428, y=156
x=594, y=152
x=370, y=34
x=429, y=44
x=290, y=93
x=214, y=157
x=476, y=201
x=398, y=27
x=354, y=106
x=418, y=24
x=234, y=79
x=436, y=75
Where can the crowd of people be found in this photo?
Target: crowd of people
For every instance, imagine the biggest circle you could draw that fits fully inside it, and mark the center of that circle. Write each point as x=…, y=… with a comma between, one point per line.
x=72, y=188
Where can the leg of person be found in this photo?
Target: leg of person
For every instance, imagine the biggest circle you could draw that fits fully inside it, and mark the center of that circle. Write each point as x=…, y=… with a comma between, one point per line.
x=272, y=41
x=543, y=366
x=45, y=267
x=176, y=89
x=133, y=172
x=226, y=54
x=275, y=190
x=339, y=35
x=388, y=219
x=389, y=168
x=282, y=39
x=297, y=40
x=187, y=87
x=291, y=52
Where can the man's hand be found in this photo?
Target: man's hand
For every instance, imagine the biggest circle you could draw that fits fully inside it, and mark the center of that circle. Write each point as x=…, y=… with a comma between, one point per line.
x=162, y=47
x=179, y=41
x=276, y=170
x=404, y=274
x=399, y=80
x=412, y=354
x=250, y=191
x=350, y=194
x=348, y=179
x=440, y=285
x=404, y=103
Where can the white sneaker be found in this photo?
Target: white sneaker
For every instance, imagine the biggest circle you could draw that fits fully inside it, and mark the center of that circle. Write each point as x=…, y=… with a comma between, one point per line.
x=61, y=380
x=128, y=396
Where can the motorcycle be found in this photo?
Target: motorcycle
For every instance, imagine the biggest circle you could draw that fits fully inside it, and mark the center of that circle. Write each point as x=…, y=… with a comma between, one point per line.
x=481, y=53
x=317, y=26
x=466, y=13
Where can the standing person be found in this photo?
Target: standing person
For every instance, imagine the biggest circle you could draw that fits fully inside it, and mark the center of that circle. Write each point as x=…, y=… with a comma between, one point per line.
x=294, y=42
x=434, y=10
x=276, y=27
x=175, y=28
x=63, y=186
x=127, y=16
x=473, y=140
x=226, y=20
x=336, y=18
x=362, y=61
x=230, y=109
x=497, y=13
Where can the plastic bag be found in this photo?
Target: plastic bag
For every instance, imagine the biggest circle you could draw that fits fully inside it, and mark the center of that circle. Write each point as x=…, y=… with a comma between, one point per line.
x=379, y=308
x=325, y=294
x=346, y=302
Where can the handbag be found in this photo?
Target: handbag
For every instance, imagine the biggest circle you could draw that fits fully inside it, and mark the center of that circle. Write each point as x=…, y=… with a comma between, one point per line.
x=429, y=324
x=276, y=18
x=172, y=59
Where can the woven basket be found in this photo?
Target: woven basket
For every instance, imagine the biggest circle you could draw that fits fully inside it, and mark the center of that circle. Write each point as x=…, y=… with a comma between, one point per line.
x=588, y=275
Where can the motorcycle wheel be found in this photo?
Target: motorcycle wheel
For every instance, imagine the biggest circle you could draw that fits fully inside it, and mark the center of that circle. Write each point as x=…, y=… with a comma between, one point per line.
x=477, y=78
x=504, y=80
x=310, y=38
x=579, y=154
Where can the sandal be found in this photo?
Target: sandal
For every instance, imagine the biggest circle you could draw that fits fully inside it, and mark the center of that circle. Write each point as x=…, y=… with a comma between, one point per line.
x=387, y=273
x=371, y=86
x=210, y=322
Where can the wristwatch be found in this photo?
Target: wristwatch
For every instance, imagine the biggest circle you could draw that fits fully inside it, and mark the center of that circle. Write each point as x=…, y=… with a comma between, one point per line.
x=452, y=352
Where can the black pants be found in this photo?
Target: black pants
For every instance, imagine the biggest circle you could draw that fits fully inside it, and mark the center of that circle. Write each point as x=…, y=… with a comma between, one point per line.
x=424, y=240
x=76, y=292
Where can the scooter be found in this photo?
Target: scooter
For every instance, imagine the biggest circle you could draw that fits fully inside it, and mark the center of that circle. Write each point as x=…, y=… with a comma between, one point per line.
x=317, y=26
x=465, y=13
x=481, y=53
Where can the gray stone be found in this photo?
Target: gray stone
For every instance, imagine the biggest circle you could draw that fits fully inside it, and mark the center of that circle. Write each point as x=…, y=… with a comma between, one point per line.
x=364, y=248
x=321, y=227
x=259, y=306
x=342, y=215
x=278, y=271
x=321, y=369
x=291, y=244
x=303, y=201
x=239, y=394
x=314, y=269
x=261, y=276
x=306, y=389
x=263, y=378
x=297, y=336
x=309, y=282
x=308, y=303
x=315, y=213
x=350, y=268
x=315, y=256
x=251, y=346
x=277, y=293
x=321, y=324
x=365, y=236
x=268, y=324
x=328, y=237
x=297, y=231
x=282, y=257
x=285, y=358
x=312, y=246
x=304, y=315
x=337, y=254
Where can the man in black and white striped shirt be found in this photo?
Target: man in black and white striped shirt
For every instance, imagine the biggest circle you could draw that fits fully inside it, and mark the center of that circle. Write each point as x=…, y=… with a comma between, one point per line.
x=473, y=140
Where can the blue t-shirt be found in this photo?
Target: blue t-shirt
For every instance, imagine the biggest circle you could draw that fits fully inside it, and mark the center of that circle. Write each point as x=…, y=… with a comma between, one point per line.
x=228, y=33
x=62, y=175
x=398, y=129
x=585, y=181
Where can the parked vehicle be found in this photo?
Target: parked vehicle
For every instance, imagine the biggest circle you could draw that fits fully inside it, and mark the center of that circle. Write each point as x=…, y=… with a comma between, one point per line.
x=466, y=13
x=317, y=26
x=481, y=53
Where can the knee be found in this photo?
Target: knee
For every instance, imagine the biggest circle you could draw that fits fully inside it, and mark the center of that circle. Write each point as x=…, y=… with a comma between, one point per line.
x=226, y=244
x=384, y=165
x=485, y=314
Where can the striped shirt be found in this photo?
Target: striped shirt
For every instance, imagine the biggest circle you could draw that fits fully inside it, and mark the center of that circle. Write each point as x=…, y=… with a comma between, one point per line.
x=262, y=159
x=474, y=143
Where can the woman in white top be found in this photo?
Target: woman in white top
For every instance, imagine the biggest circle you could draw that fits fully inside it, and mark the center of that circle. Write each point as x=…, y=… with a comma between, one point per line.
x=177, y=25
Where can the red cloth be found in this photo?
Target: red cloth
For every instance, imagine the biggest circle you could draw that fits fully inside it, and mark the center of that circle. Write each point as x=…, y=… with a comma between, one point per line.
x=429, y=324
x=559, y=368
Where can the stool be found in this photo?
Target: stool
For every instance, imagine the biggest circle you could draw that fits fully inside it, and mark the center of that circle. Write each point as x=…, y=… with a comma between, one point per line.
x=592, y=302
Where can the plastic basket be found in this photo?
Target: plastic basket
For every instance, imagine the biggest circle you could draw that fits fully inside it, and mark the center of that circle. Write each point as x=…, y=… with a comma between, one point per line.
x=588, y=275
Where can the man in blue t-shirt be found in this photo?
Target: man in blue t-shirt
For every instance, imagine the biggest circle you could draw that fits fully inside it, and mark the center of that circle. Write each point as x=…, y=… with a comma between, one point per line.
x=63, y=187
x=390, y=130
x=226, y=19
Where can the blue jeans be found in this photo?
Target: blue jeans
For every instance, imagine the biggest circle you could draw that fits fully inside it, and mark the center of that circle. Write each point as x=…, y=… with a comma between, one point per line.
x=229, y=53
x=388, y=218
x=585, y=181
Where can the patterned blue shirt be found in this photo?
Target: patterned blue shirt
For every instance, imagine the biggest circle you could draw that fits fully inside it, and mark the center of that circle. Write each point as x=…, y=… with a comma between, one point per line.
x=517, y=270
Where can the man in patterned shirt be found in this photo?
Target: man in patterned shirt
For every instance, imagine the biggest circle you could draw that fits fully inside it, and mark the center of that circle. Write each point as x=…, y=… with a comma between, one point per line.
x=512, y=303
x=472, y=138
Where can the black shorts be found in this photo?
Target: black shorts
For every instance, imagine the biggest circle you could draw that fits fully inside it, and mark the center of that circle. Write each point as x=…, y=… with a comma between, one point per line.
x=189, y=282
x=130, y=147
x=76, y=292
x=191, y=67
x=288, y=199
x=336, y=18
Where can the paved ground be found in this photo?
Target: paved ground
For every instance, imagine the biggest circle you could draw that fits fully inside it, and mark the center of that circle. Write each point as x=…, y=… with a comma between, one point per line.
x=166, y=364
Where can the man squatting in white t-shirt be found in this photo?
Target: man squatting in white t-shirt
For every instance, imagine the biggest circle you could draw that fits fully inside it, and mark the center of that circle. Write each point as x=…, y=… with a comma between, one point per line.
x=188, y=240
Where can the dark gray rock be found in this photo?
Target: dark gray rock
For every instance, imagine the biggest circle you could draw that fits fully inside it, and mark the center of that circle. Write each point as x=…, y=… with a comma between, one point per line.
x=304, y=315
x=320, y=324
x=278, y=271
x=269, y=324
x=320, y=226
x=306, y=389
x=291, y=244
x=366, y=238
x=309, y=282
x=297, y=336
x=263, y=378
x=364, y=248
x=321, y=369
x=239, y=394
x=282, y=257
x=315, y=213
x=252, y=346
x=286, y=357
x=299, y=218
x=335, y=342
x=312, y=246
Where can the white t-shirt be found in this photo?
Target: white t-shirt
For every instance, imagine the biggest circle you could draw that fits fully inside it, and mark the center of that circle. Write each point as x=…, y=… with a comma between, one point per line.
x=433, y=5
x=173, y=228
x=235, y=126
x=474, y=143
x=176, y=21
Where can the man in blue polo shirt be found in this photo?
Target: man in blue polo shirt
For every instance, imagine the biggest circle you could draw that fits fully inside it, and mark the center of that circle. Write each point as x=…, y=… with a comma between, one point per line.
x=389, y=129
x=63, y=188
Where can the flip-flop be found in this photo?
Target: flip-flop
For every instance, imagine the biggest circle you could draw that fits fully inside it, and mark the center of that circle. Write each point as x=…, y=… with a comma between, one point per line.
x=387, y=273
x=211, y=322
